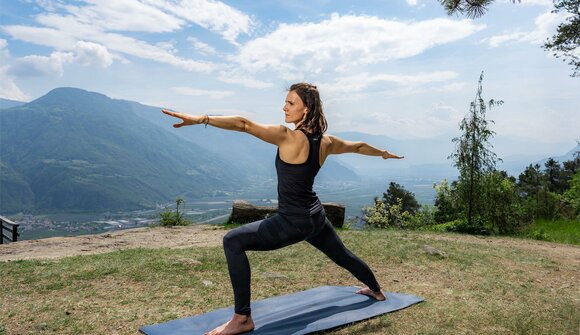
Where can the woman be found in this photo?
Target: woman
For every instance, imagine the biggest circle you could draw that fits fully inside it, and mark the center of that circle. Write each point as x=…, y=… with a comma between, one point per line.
x=301, y=153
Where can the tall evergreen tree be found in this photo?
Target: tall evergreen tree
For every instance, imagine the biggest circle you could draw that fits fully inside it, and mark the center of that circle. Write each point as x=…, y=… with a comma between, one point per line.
x=473, y=156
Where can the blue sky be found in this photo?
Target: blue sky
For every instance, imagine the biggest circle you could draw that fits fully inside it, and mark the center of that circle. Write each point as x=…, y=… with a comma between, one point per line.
x=404, y=69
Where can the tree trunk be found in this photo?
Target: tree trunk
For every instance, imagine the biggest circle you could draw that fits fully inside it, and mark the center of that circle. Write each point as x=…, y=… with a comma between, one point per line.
x=244, y=212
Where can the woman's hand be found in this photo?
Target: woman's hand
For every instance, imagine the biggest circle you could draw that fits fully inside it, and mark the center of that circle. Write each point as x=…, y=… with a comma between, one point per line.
x=186, y=119
x=387, y=154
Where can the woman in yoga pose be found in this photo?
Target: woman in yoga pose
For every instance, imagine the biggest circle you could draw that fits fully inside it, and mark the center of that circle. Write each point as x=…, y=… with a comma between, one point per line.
x=301, y=153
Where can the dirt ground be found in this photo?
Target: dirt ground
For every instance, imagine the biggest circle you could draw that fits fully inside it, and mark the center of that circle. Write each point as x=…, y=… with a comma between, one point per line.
x=147, y=237
x=209, y=235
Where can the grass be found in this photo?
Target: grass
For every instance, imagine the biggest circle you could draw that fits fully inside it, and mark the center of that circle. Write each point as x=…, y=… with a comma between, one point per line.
x=562, y=231
x=479, y=288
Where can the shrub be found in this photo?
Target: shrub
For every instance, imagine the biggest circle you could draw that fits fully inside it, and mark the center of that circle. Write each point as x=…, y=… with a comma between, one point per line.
x=170, y=219
x=380, y=216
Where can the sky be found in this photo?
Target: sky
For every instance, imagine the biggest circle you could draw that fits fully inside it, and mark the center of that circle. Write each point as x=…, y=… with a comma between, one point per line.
x=400, y=68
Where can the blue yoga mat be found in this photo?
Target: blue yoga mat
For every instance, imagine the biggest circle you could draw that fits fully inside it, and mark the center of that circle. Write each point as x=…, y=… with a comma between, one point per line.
x=298, y=313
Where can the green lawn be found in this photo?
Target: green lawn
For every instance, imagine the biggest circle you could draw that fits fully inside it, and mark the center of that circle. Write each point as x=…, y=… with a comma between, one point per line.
x=485, y=285
x=563, y=231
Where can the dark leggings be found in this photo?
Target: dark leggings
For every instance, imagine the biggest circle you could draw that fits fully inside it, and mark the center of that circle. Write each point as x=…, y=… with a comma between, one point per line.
x=279, y=231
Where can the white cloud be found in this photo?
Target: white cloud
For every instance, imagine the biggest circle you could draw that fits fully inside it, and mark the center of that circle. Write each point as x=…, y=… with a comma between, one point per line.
x=412, y=2
x=348, y=39
x=360, y=82
x=531, y=2
x=209, y=14
x=8, y=87
x=200, y=92
x=84, y=53
x=92, y=54
x=201, y=47
x=545, y=26
x=126, y=15
x=68, y=32
x=37, y=66
x=436, y=120
x=244, y=79
x=97, y=22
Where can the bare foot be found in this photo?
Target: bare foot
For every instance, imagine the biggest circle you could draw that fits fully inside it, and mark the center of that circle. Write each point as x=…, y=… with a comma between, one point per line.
x=237, y=325
x=377, y=295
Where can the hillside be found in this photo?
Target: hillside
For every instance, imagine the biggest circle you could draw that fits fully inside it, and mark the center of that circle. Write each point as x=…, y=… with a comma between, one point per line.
x=482, y=285
x=73, y=150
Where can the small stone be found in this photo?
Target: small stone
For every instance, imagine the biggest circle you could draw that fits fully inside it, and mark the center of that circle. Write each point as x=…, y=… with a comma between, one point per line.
x=207, y=282
x=432, y=251
x=41, y=326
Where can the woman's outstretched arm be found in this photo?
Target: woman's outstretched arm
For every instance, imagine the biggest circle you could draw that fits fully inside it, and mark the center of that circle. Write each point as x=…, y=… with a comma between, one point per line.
x=275, y=134
x=340, y=146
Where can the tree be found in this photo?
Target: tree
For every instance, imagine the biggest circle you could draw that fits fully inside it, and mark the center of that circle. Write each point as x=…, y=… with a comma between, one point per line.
x=470, y=8
x=445, y=202
x=554, y=176
x=503, y=210
x=408, y=202
x=473, y=156
x=564, y=44
x=567, y=39
x=530, y=181
x=572, y=195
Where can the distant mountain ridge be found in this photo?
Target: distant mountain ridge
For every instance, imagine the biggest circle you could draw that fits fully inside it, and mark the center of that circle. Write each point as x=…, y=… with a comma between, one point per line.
x=74, y=150
x=7, y=103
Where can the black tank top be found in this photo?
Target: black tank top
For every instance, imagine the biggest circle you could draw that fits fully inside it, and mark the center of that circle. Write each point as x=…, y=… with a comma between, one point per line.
x=295, y=194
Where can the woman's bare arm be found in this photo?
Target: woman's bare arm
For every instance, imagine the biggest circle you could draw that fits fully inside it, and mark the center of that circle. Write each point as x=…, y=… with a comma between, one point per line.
x=339, y=146
x=274, y=134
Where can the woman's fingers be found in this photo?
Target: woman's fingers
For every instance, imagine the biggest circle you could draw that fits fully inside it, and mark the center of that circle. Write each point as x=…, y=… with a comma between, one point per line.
x=390, y=155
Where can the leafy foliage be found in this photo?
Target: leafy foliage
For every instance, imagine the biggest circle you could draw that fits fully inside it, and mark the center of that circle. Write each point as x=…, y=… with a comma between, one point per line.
x=446, y=202
x=397, y=193
x=170, y=218
x=567, y=39
x=398, y=209
x=473, y=156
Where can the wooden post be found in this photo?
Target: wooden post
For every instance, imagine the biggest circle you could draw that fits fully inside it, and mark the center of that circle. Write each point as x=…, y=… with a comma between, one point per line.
x=10, y=227
x=15, y=232
x=245, y=212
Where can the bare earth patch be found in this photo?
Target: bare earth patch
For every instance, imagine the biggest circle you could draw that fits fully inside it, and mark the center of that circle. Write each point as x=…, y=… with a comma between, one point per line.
x=147, y=237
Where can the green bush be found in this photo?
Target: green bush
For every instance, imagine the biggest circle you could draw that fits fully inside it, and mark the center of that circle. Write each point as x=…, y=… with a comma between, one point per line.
x=538, y=234
x=171, y=219
x=442, y=227
x=479, y=226
x=425, y=216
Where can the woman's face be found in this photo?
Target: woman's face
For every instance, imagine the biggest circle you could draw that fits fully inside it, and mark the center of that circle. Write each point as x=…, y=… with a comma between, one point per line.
x=294, y=108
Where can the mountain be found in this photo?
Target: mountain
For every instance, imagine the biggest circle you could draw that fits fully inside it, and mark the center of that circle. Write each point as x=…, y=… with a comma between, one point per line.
x=568, y=156
x=74, y=150
x=5, y=103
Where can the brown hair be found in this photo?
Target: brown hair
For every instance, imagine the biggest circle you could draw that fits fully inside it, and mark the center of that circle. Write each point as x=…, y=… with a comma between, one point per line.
x=315, y=122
